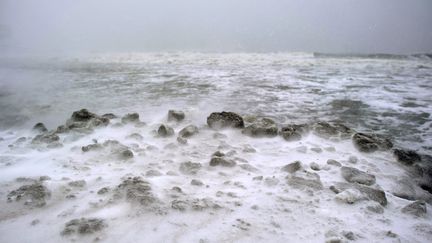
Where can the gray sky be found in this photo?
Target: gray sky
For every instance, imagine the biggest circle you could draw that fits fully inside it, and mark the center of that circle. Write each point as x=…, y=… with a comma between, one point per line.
x=392, y=26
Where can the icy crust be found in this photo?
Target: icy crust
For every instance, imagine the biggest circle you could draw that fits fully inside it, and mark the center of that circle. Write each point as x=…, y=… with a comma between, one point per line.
x=116, y=178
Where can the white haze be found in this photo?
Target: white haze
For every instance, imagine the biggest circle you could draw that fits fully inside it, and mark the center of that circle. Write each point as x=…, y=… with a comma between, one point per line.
x=389, y=26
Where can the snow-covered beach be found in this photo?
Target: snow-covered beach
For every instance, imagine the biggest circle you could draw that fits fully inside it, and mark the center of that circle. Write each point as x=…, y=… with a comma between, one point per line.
x=316, y=149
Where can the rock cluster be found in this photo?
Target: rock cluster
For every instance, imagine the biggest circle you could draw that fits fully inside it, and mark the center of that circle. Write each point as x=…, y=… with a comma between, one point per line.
x=136, y=190
x=82, y=120
x=130, y=118
x=175, y=115
x=417, y=208
x=113, y=147
x=407, y=157
x=189, y=168
x=354, y=185
x=371, y=142
x=40, y=127
x=219, y=159
x=34, y=195
x=165, y=131
x=370, y=193
x=327, y=130
x=263, y=127
x=188, y=131
x=83, y=226
x=357, y=176
x=294, y=132
x=224, y=119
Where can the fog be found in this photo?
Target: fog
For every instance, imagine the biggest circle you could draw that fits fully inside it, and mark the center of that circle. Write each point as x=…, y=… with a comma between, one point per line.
x=391, y=26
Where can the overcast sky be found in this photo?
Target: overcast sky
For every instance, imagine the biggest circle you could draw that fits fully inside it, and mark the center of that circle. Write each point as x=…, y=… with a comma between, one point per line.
x=391, y=26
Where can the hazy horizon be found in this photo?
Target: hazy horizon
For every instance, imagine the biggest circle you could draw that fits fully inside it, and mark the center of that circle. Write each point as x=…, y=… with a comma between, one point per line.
x=337, y=26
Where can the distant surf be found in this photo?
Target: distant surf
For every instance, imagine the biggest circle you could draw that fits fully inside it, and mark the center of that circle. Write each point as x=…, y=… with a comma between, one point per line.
x=372, y=55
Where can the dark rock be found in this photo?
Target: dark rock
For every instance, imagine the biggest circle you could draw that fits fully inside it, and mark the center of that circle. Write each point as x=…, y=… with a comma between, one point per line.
x=417, y=208
x=315, y=166
x=32, y=195
x=114, y=147
x=188, y=131
x=46, y=138
x=62, y=129
x=70, y=196
x=371, y=142
x=215, y=161
x=333, y=162
x=92, y=147
x=218, y=154
x=109, y=116
x=84, y=226
x=165, y=131
x=349, y=235
x=174, y=115
x=83, y=121
x=407, y=157
x=376, y=208
x=294, y=132
x=130, y=118
x=35, y=222
x=176, y=189
x=376, y=195
x=334, y=189
x=404, y=188
x=195, y=182
x=181, y=140
x=204, y=203
x=40, y=127
x=391, y=234
x=424, y=170
x=223, y=119
x=126, y=154
x=136, y=190
x=189, y=168
x=292, y=167
x=179, y=205
x=326, y=130
x=263, y=127
x=333, y=240
x=103, y=190
x=82, y=115
x=354, y=175
x=373, y=194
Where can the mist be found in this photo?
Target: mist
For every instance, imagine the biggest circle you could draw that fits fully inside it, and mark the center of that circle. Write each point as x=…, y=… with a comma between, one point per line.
x=48, y=26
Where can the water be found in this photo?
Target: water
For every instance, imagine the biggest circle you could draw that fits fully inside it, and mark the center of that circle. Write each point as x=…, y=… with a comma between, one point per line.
x=250, y=202
x=389, y=96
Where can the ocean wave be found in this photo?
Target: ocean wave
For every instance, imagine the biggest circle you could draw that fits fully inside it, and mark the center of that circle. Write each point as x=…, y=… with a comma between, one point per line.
x=426, y=56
